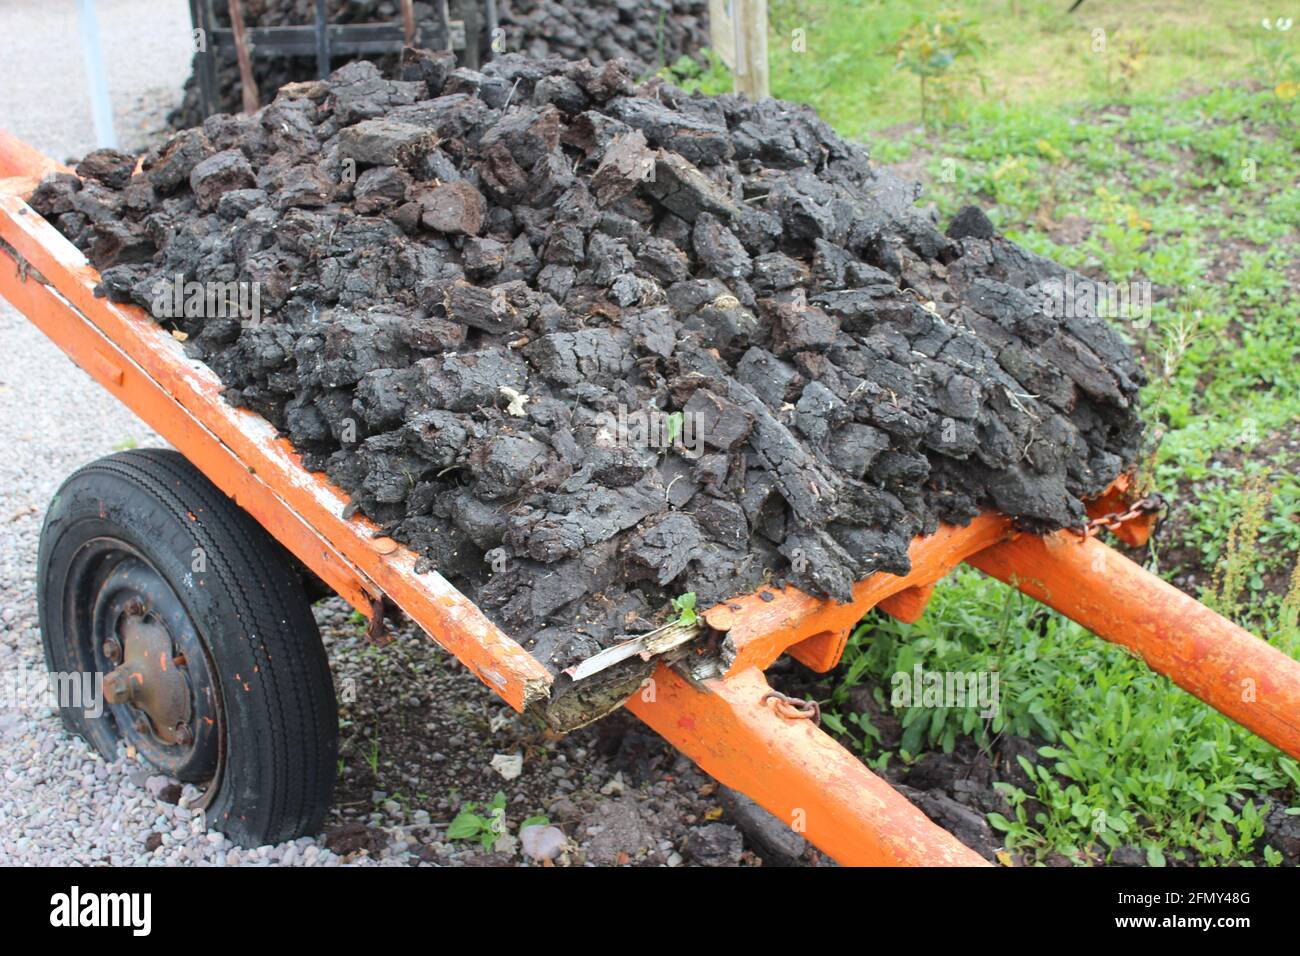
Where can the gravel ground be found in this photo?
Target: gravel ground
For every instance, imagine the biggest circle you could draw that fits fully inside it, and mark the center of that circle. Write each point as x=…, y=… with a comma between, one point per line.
x=419, y=734
x=44, y=95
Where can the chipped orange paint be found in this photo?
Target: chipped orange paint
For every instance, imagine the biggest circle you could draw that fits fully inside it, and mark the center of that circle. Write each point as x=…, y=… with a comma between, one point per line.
x=795, y=771
x=1224, y=665
x=1136, y=531
x=21, y=162
x=815, y=632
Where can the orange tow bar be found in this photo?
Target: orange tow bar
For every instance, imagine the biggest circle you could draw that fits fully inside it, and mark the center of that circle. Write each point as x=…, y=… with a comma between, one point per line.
x=794, y=770
x=1224, y=665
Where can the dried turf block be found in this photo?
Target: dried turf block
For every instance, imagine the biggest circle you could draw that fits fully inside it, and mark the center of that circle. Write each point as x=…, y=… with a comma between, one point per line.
x=220, y=173
x=384, y=142
x=110, y=167
x=453, y=208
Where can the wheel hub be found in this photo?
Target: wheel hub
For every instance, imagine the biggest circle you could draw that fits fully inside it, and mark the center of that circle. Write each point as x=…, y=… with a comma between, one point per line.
x=151, y=677
x=158, y=682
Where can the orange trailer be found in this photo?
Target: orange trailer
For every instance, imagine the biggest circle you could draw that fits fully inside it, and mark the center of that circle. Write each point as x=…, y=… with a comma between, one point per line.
x=733, y=725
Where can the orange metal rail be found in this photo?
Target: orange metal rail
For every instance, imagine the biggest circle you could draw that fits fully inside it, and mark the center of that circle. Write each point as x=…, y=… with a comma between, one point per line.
x=1227, y=667
x=726, y=725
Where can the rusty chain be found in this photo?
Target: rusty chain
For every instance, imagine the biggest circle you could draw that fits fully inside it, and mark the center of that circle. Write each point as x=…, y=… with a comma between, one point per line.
x=1150, y=504
x=794, y=708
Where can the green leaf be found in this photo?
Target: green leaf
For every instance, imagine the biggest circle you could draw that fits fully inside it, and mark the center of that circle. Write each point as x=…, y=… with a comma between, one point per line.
x=999, y=822
x=685, y=608
x=674, y=426
x=465, y=826
x=913, y=737
x=834, y=723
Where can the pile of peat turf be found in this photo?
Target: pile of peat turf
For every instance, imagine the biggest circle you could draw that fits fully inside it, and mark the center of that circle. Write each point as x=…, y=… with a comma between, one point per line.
x=647, y=34
x=532, y=258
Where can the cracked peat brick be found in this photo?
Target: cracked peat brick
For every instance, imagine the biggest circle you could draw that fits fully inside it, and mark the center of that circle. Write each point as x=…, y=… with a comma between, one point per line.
x=220, y=173
x=109, y=166
x=627, y=161
x=453, y=208
x=171, y=167
x=721, y=423
x=503, y=308
x=385, y=142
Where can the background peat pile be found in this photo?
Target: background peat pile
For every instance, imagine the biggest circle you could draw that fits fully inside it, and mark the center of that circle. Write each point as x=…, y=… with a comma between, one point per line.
x=647, y=34
x=271, y=73
x=529, y=252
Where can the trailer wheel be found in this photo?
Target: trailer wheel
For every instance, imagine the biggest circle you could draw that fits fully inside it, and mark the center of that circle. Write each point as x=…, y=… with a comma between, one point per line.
x=153, y=581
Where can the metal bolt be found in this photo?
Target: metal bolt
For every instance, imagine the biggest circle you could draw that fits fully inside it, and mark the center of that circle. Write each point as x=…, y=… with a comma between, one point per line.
x=184, y=736
x=117, y=686
x=112, y=651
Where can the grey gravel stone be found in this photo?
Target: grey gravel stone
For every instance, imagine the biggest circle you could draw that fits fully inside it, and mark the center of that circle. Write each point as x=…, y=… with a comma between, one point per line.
x=542, y=842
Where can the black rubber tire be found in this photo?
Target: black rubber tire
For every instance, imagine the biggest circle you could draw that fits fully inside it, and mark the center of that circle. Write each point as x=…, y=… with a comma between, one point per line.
x=279, y=718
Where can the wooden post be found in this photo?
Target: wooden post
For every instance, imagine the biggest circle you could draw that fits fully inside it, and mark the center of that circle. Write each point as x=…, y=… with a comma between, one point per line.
x=722, y=32
x=469, y=13
x=247, y=84
x=101, y=107
x=750, y=20
x=445, y=13
x=408, y=22
x=322, y=40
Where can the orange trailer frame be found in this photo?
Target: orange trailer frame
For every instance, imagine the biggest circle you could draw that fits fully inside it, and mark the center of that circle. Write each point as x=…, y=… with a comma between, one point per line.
x=733, y=726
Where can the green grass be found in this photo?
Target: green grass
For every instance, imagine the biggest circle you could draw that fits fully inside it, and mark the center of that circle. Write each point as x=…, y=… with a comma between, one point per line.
x=1173, y=158
x=1132, y=759
x=1036, y=56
